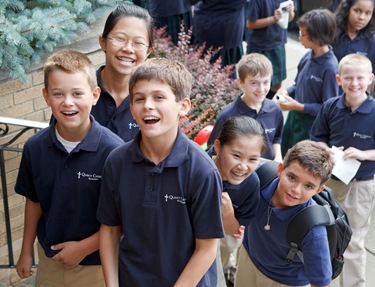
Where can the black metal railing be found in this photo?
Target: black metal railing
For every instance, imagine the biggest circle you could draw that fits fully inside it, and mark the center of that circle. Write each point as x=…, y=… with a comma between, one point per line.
x=25, y=125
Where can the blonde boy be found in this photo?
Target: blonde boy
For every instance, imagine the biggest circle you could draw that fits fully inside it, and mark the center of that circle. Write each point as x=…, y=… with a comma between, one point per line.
x=347, y=122
x=60, y=174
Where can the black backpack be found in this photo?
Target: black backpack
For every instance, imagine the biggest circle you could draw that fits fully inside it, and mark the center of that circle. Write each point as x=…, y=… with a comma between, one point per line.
x=327, y=212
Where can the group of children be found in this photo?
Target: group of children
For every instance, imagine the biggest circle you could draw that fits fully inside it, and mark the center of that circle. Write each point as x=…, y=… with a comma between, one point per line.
x=148, y=206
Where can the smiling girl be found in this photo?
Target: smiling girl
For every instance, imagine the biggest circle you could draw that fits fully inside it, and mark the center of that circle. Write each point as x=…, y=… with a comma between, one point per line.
x=127, y=40
x=237, y=154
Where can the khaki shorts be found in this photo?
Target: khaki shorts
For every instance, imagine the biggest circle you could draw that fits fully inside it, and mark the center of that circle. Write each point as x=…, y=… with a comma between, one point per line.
x=53, y=274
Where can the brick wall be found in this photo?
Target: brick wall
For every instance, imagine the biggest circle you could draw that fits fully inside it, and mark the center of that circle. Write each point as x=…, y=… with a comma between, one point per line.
x=24, y=101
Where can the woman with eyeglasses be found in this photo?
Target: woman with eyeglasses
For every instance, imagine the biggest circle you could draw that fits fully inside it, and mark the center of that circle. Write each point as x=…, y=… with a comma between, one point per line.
x=127, y=40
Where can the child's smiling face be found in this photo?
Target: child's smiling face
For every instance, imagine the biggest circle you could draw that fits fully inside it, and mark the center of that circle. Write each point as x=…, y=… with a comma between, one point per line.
x=297, y=185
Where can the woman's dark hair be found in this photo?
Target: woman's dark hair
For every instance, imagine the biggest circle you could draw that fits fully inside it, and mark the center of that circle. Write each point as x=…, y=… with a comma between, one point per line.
x=342, y=15
x=320, y=26
x=241, y=126
x=129, y=10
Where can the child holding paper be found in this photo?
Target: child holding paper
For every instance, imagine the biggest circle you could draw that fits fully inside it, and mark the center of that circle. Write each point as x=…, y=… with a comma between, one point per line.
x=346, y=122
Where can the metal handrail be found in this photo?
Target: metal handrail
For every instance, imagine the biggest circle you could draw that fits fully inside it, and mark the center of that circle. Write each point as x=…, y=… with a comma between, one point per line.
x=5, y=122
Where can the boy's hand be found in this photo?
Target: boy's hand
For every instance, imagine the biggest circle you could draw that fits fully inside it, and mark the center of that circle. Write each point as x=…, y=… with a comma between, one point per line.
x=23, y=266
x=70, y=255
x=354, y=153
x=239, y=234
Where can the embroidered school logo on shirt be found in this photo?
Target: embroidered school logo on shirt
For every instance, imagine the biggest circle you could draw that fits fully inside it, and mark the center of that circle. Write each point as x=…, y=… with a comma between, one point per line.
x=83, y=175
x=361, y=136
x=179, y=199
x=133, y=125
x=316, y=79
x=268, y=131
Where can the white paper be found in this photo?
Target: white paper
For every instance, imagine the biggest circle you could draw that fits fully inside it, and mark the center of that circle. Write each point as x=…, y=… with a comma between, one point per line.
x=284, y=20
x=344, y=169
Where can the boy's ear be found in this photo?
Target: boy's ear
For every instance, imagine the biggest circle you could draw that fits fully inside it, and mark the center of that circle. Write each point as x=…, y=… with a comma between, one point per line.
x=45, y=96
x=95, y=95
x=279, y=169
x=185, y=106
x=338, y=80
x=240, y=82
x=321, y=188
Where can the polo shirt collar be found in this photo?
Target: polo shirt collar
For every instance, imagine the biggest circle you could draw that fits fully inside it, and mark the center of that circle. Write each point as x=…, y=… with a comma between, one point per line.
x=244, y=108
x=177, y=156
x=89, y=143
x=322, y=59
x=364, y=108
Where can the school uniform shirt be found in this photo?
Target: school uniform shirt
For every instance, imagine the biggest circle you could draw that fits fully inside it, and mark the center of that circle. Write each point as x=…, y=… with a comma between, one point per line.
x=66, y=185
x=359, y=45
x=268, y=249
x=162, y=209
x=270, y=117
x=337, y=125
x=165, y=8
x=315, y=81
x=219, y=23
x=118, y=119
x=270, y=37
x=244, y=196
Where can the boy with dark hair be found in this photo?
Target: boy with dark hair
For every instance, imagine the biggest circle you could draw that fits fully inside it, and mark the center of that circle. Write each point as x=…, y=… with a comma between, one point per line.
x=262, y=259
x=347, y=123
x=60, y=175
x=160, y=205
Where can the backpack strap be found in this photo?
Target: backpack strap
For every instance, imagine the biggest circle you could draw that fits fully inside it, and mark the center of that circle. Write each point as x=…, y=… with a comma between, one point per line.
x=267, y=172
x=302, y=222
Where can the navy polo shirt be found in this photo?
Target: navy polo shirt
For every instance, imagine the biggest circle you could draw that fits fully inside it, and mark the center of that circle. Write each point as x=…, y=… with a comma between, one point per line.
x=268, y=249
x=166, y=8
x=270, y=37
x=315, y=81
x=244, y=196
x=219, y=23
x=66, y=185
x=162, y=209
x=359, y=45
x=270, y=117
x=337, y=125
x=117, y=119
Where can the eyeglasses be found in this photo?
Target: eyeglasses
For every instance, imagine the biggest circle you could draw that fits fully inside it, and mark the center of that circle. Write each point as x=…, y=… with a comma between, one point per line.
x=121, y=42
x=302, y=35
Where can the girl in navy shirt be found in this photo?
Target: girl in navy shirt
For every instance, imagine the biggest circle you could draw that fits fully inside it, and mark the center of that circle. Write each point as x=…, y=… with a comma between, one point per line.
x=355, y=29
x=127, y=40
x=237, y=153
x=316, y=78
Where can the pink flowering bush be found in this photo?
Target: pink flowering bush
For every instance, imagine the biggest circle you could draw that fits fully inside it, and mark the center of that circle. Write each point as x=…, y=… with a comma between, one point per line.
x=213, y=88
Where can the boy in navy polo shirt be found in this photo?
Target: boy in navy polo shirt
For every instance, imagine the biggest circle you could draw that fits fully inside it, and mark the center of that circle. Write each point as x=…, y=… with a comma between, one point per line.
x=262, y=258
x=347, y=122
x=255, y=72
x=60, y=175
x=160, y=202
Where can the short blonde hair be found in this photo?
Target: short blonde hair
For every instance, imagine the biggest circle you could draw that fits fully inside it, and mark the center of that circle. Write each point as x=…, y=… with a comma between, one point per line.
x=253, y=64
x=70, y=61
x=169, y=71
x=353, y=60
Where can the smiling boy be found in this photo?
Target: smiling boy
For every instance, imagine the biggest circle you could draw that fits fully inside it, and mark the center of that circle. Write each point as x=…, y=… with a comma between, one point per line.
x=255, y=73
x=262, y=258
x=160, y=205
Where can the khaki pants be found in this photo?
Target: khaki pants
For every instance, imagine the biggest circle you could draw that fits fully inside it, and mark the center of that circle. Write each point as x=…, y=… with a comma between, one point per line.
x=357, y=199
x=53, y=274
x=248, y=275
